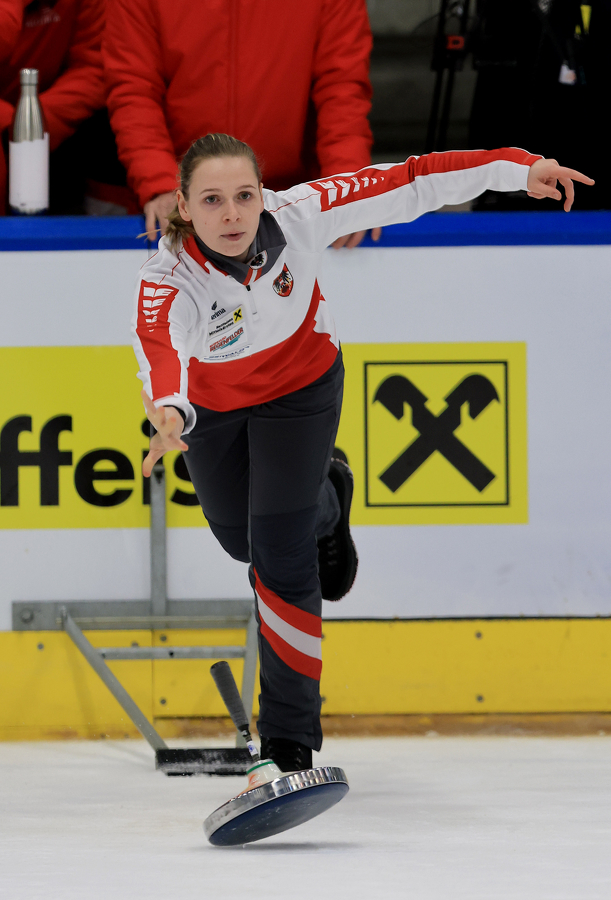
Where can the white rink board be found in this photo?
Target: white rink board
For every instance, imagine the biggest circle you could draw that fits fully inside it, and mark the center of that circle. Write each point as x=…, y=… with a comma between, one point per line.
x=554, y=298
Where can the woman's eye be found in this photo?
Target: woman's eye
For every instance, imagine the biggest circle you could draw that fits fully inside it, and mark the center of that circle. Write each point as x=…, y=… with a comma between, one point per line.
x=211, y=198
x=245, y=195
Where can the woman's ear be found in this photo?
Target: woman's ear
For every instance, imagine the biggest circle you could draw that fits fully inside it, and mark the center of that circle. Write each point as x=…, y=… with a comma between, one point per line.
x=182, y=206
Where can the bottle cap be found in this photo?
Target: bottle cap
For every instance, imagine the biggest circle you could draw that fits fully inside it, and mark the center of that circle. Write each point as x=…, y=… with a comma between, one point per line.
x=28, y=76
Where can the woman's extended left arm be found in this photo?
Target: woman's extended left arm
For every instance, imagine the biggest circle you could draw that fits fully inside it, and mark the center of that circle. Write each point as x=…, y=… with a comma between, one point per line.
x=384, y=194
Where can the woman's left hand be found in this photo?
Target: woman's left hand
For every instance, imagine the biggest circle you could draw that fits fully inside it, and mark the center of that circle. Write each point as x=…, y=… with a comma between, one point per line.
x=543, y=177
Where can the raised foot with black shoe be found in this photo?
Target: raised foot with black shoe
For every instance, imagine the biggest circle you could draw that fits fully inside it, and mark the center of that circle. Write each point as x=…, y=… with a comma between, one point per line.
x=337, y=558
x=289, y=756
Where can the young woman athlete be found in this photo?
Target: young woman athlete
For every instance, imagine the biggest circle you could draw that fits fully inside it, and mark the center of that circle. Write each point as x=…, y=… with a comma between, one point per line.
x=242, y=371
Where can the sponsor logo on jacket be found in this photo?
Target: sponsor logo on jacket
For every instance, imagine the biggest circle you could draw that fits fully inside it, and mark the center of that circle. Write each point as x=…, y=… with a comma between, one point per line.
x=283, y=285
x=227, y=340
x=231, y=320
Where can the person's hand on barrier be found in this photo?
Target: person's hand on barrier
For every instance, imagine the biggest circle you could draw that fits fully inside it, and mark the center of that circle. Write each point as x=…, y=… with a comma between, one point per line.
x=157, y=210
x=353, y=240
x=545, y=174
x=169, y=424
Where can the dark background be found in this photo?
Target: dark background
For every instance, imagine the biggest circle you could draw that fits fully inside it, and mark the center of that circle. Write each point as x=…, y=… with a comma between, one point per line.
x=507, y=91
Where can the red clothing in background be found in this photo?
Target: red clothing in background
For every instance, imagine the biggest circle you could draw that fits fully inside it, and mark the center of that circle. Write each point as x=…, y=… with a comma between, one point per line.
x=256, y=69
x=61, y=40
x=11, y=14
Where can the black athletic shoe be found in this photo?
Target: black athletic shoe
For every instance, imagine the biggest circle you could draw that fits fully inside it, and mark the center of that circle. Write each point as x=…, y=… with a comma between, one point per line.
x=337, y=559
x=289, y=756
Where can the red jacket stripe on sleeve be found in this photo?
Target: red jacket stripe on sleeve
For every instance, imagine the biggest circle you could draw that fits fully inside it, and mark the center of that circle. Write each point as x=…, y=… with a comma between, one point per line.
x=372, y=181
x=153, y=329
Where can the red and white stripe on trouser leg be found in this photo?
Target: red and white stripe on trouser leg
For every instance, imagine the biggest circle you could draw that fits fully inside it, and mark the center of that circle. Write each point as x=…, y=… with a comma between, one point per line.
x=293, y=634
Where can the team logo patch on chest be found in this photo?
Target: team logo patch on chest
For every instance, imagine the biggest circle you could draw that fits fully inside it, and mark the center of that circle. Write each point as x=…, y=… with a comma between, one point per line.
x=283, y=284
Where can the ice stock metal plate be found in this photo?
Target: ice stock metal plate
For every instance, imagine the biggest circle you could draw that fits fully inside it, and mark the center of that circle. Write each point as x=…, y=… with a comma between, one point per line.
x=275, y=807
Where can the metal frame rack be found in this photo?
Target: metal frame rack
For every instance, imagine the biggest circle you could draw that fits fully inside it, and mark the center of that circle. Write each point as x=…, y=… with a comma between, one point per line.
x=158, y=612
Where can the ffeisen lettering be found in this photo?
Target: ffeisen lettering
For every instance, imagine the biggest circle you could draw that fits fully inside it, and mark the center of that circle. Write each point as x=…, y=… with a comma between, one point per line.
x=229, y=339
x=116, y=466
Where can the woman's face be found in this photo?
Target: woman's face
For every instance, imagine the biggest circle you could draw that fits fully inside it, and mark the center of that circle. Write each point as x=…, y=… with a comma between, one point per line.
x=224, y=204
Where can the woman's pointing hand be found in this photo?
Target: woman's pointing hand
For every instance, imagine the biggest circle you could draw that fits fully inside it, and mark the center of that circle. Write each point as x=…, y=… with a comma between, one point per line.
x=543, y=177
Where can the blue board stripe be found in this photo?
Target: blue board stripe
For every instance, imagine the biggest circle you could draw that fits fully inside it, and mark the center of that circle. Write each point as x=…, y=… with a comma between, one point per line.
x=488, y=229
x=431, y=230
x=72, y=233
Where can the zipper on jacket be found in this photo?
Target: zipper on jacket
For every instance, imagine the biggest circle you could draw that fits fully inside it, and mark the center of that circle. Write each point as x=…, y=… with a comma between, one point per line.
x=253, y=305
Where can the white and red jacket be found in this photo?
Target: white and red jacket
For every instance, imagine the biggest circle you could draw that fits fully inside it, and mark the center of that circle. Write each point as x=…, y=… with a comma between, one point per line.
x=203, y=337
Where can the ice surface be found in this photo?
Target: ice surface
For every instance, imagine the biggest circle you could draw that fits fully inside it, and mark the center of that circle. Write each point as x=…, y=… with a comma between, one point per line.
x=426, y=818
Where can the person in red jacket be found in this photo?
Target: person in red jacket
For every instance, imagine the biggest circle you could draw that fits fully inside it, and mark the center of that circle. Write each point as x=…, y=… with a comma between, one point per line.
x=290, y=79
x=60, y=38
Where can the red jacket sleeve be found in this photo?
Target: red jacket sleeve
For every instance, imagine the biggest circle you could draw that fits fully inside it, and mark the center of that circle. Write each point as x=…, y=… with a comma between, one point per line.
x=11, y=20
x=132, y=63
x=341, y=90
x=79, y=90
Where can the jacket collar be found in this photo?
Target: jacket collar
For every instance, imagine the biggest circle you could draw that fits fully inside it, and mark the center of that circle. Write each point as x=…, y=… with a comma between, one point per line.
x=264, y=251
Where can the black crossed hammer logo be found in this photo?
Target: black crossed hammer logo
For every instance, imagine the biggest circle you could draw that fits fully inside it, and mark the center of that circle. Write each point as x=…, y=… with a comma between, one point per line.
x=436, y=432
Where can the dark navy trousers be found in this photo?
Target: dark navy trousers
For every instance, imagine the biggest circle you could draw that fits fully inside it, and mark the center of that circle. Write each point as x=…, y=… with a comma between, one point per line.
x=260, y=474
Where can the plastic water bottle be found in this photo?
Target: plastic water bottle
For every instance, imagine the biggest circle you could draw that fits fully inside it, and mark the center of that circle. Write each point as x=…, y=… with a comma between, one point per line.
x=29, y=152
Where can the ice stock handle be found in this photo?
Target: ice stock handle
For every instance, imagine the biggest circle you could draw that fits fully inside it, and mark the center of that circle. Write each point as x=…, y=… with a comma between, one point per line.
x=228, y=689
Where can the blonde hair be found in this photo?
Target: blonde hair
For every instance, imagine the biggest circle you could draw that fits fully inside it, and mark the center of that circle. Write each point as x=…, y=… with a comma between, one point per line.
x=207, y=147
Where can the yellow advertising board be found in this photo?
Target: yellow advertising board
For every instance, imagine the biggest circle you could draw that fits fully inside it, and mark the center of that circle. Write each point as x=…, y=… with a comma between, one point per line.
x=434, y=433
